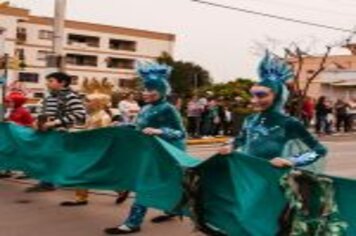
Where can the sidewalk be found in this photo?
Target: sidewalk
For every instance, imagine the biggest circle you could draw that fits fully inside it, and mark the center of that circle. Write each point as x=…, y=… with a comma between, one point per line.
x=351, y=136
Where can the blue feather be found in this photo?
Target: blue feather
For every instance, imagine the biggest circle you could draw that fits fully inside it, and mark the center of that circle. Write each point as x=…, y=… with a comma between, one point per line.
x=155, y=76
x=274, y=69
x=150, y=70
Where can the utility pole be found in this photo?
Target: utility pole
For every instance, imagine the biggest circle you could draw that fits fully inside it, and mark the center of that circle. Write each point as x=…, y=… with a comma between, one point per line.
x=56, y=61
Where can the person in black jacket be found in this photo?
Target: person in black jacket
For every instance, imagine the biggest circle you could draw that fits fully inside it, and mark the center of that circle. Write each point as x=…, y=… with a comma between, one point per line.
x=322, y=110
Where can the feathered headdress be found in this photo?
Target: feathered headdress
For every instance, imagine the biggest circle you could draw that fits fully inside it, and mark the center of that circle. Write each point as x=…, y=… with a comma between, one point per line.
x=274, y=73
x=155, y=76
x=274, y=69
x=101, y=90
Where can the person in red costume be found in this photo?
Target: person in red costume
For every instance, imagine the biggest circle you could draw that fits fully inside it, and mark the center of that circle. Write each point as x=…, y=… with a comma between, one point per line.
x=17, y=114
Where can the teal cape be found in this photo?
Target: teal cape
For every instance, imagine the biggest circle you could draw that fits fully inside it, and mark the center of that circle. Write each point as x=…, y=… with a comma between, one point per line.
x=241, y=194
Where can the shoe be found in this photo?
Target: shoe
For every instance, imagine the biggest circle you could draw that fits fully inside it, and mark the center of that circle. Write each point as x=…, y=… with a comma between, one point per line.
x=5, y=175
x=162, y=218
x=22, y=177
x=122, y=229
x=74, y=203
x=40, y=188
x=122, y=196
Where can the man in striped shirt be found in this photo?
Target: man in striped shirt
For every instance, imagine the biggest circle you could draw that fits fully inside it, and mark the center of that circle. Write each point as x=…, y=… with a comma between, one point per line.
x=62, y=110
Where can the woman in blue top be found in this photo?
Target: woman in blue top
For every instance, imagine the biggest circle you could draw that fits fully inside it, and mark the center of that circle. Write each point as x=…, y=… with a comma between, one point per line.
x=157, y=118
x=270, y=133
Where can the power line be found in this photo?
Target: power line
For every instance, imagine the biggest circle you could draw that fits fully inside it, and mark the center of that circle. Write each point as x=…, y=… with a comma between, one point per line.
x=244, y=10
x=304, y=7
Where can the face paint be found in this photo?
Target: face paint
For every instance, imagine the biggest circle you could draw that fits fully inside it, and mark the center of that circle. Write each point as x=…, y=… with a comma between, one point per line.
x=262, y=98
x=259, y=94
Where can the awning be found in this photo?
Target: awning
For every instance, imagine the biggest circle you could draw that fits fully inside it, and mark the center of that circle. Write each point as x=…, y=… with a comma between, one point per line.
x=345, y=84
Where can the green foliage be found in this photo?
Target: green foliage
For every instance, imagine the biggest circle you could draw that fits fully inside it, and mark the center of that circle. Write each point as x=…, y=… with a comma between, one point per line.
x=237, y=88
x=235, y=94
x=186, y=77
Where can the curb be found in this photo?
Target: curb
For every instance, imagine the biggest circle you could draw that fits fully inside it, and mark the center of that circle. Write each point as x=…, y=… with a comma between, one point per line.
x=207, y=141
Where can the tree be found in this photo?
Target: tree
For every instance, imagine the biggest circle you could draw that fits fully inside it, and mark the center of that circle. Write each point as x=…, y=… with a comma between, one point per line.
x=187, y=77
x=300, y=88
x=230, y=90
x=235, y=94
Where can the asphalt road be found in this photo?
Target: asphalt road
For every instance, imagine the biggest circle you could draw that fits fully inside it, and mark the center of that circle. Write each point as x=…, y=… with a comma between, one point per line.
x=24, y=214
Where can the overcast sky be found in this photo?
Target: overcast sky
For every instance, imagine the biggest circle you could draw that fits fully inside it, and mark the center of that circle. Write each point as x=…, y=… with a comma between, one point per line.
x=222, y=41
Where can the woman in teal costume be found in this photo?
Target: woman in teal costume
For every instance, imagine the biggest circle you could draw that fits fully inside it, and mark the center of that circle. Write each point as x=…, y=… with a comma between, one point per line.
x=157, y=118
x=270, y=133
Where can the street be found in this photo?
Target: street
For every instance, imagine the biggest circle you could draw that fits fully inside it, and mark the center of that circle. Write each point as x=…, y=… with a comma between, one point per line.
x=39, y=214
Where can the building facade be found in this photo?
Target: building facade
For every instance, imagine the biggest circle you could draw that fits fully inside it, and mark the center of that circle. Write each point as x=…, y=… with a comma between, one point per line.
x=338, y=84
x=336, y=67
x=91, y=50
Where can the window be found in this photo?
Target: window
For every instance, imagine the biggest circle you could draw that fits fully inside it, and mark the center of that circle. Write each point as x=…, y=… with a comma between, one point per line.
x=81, y=60
x=124, y=45
x=21, y=34
x=45, y=34
x=28, y=77
x=120, y=63
x=86, y=40
x=42, y=55
x=20, y=53
x=21, y=30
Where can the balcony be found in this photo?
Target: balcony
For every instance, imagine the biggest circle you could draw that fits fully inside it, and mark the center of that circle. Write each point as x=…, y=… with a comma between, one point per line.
x=120, y=63
x=81, y=60
x=83, y=41
x=21, y=35
x=123, y=45
x=43, y=55
x=45, y=34
x=28, y=77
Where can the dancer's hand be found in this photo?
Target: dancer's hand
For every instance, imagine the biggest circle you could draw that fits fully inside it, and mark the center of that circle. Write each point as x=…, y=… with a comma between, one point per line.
x=281, y=162
x=226, y=149
x=47, y=125
x=152, y=131
x=35, y=125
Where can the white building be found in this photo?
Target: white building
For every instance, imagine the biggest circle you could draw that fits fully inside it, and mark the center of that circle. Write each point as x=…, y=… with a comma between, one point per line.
x=338, y=84
x=92, y=50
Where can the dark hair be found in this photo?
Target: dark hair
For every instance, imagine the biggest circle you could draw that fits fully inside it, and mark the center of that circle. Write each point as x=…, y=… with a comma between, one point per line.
x=61, y=78
x=129, y=94
x=321, y=100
